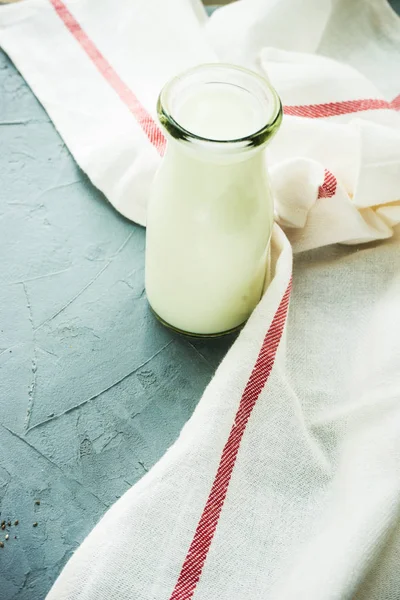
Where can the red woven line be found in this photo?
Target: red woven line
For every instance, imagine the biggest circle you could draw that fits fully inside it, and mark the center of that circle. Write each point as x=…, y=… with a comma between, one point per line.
x=331, y=109
x=198, y=550
x=144, y=119
x=328, y=188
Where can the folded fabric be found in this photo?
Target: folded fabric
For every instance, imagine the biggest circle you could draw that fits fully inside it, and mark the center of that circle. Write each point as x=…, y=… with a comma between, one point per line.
x=285, y=483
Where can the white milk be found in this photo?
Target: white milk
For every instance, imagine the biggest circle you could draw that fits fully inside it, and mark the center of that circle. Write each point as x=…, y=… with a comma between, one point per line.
x=210, y=216
x=219, y=111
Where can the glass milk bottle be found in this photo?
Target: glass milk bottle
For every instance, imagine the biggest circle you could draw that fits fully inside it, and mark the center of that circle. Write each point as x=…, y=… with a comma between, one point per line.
x=211, y=212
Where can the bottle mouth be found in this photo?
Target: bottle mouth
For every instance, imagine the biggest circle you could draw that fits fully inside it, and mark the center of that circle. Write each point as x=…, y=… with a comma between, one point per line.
x=220, y=105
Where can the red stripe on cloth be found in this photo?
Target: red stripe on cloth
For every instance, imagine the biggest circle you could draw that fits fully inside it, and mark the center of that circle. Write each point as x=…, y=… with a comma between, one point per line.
x=328, y=187
x=198, y=550
x=144, y=119
x=333, y=109
x=396, y=103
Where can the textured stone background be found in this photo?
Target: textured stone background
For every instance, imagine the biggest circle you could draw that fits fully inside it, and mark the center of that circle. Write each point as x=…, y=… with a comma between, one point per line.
x=92, y=389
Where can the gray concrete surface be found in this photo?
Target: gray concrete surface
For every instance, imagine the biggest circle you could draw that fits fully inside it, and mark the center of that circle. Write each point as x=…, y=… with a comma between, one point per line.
x=92, y=388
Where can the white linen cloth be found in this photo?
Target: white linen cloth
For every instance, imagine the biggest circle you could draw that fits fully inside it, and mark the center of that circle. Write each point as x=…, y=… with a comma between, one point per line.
x=285, y=483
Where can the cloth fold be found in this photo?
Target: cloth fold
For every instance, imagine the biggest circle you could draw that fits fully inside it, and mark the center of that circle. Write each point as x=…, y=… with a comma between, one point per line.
x=285, y=483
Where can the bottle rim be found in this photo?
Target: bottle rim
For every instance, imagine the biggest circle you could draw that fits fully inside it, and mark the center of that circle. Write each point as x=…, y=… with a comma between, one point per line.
x=208, y=73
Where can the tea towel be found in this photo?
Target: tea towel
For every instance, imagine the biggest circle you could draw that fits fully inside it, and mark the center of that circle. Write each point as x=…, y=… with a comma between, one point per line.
x=285, y=483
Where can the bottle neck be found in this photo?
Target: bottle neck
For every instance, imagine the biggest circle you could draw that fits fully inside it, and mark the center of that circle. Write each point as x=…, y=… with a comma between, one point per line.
x=192, y=153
